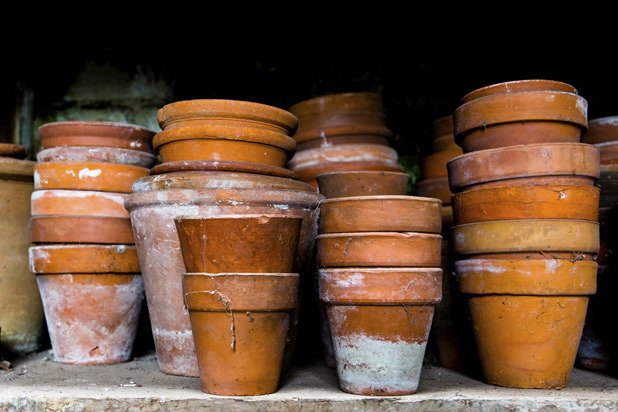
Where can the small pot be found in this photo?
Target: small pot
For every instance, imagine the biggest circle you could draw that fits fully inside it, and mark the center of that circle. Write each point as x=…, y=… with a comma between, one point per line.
x=240, y=323
x=380, y=214
x=239, y=243
x=380, y=320
x=106, y=177
x=86, y=258
x=602, y=129
x=78, y=203
x=97, y=154
x=363, y=183
x=528, y=317
x=82, y=229
x=96, y=133
x=437, y=187
x=379, y=249
x=434, y=165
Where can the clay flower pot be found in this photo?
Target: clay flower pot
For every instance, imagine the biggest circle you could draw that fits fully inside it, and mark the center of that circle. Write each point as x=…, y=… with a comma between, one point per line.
x=380, y=214
x=438, y=188
x=443, y=132
x=96, y=133
x=527, y=202
x=240, y=323
x=106, y=177
x=528, y=317
x=434, y=165
x=363, y=183
x=379, y=350
x=324, y=141
x=379, y=249
x=239, y=243
x=78, y=203
x=494, y=119
x=97, y=154
x=559, y=163
x=14, y=151
x=608, y=152
x=530, y=85
x=81, y=229
x=85, y=258
x=223, y=166
x=602, y=129
x=547, y=235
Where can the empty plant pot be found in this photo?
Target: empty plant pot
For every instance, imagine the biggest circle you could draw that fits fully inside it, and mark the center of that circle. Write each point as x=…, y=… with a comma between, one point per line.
x=602, y=129
x=527, y=316
x=380, y=214
x=97, y=154
x=512, y=164
x=88, y=258
x=527, y=202
x=528, y=235
x=106, y=177
x=363, y=183
x=239, y=243
x=96, y=133
x=380, y=320
x=379, y=249
x=437, y=187
x=81, y=229
x=240, y=323
x=78, y=203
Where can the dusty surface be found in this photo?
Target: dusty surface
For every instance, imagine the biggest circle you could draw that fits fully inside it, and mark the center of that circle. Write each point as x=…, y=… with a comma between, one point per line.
x=39, y=383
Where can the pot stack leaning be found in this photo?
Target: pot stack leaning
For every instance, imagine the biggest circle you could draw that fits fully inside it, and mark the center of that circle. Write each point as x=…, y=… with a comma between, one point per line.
x=525, y=209
x=84, y=255
x=219, y=157
x=342, y=132
x=380, y=280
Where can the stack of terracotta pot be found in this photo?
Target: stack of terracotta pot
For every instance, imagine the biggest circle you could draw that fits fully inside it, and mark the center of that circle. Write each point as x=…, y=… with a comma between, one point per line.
x=219, y=157
x=525, y=210
x=380, y=278
x=85, y=259
x=342, y=132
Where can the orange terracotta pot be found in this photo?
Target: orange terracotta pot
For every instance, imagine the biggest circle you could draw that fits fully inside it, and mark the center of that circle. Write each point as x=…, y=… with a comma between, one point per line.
x=324, y=141
x=380, y=214
x=602, y=129
x=13, y=151
x=437, y=187
x=527, y=202
x=507, y=164
x=379, y=351
x=85, y=258
x=81, y=229
x=78, y=203
x=96, y=133
x=106, y=177
x=608, y=152
x=445, y=144
x=379, y=249
x=97, y=154
x=222, y=166
x=240, y=324
x=528, y=85
x=434, y=165
x=239, y=243
x=363, y=183
x=528, y=317
x=91, y=318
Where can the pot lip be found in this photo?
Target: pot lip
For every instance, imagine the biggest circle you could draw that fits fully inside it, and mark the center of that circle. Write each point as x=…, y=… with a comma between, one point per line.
x=221, y=166
x=352, y=173
x=394, y=235
x=377, y=270
x=243, y=274
x=140, y=154
x=90, y=274
x=87, y=164
x=37, y=194
x=381, y=199
x=612, y=120
x=520, y=147
x=610, y=143
x=315, y=104
x=95, y=123
x=483, y=91
x=13, y=151
x=17, y=169
x=518, y=222
x=242, y=216
x=526, y=187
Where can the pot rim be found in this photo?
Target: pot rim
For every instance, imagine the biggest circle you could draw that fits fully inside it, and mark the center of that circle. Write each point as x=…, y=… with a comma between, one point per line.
x=142, y=158
x=324, y=102
x=380, y=198
x=487, y=90
x=96, y=123
x=395, y=235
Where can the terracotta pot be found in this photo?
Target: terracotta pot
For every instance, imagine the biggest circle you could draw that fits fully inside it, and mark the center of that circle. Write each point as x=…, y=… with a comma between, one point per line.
x=527, y=202
x=547, y=235
x=240, y=323
x=14, y=151
x=78, y=203
x=97, y=154
x=91, y=318
x=602, y=129
x=529, y=85
x=81, y=229
x=106, y=177
x=485, y=167
x=86, y=258
x=351, y=157
x=96, y=133
x=608, y=152
x=443, y=126
x=222, y=166
x=379, y=249
x=380, y=214
x=363, y=183
x=438, y=188
x=535, y=309
x=340, y=114
x=324, y=141
x=434, y=165
x=224, y=143
x=239, y=243
x=447, y=218
x=21, y=312
x=445, y=144
x=158, y=200
x=379, y=349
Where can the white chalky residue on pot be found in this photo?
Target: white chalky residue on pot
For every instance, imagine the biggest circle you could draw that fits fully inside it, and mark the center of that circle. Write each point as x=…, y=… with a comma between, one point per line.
x=85, y=173
x=551, y=265
x=70, y=172
x=285, y=207
x=611, y=120
x=473, y=266
x=366, y=362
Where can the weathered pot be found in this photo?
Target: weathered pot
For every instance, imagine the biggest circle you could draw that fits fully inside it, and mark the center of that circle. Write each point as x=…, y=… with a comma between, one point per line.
x=528, y=317
x=78, y=203
x=528, y=85
x=602, y=129
x=443, y=126
x=106, y=177
x=239, y=243
x=608, y=152
x=324, y=141
x=158, y=200
x=81, y=229
x=445, y=144
x=21, y=312
x=240, y=323
x=221, y=166
x=527, y=202
x=97, y=154
x=13, y=151
x=438, y=188
x=84, y=258
x=434, y=165
x=380, y=214
x=520, y=117
x=380, y=325
x=547, y=235
x=96, y=133
x=577, y=163
x=379, y=249
x=363, y=183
